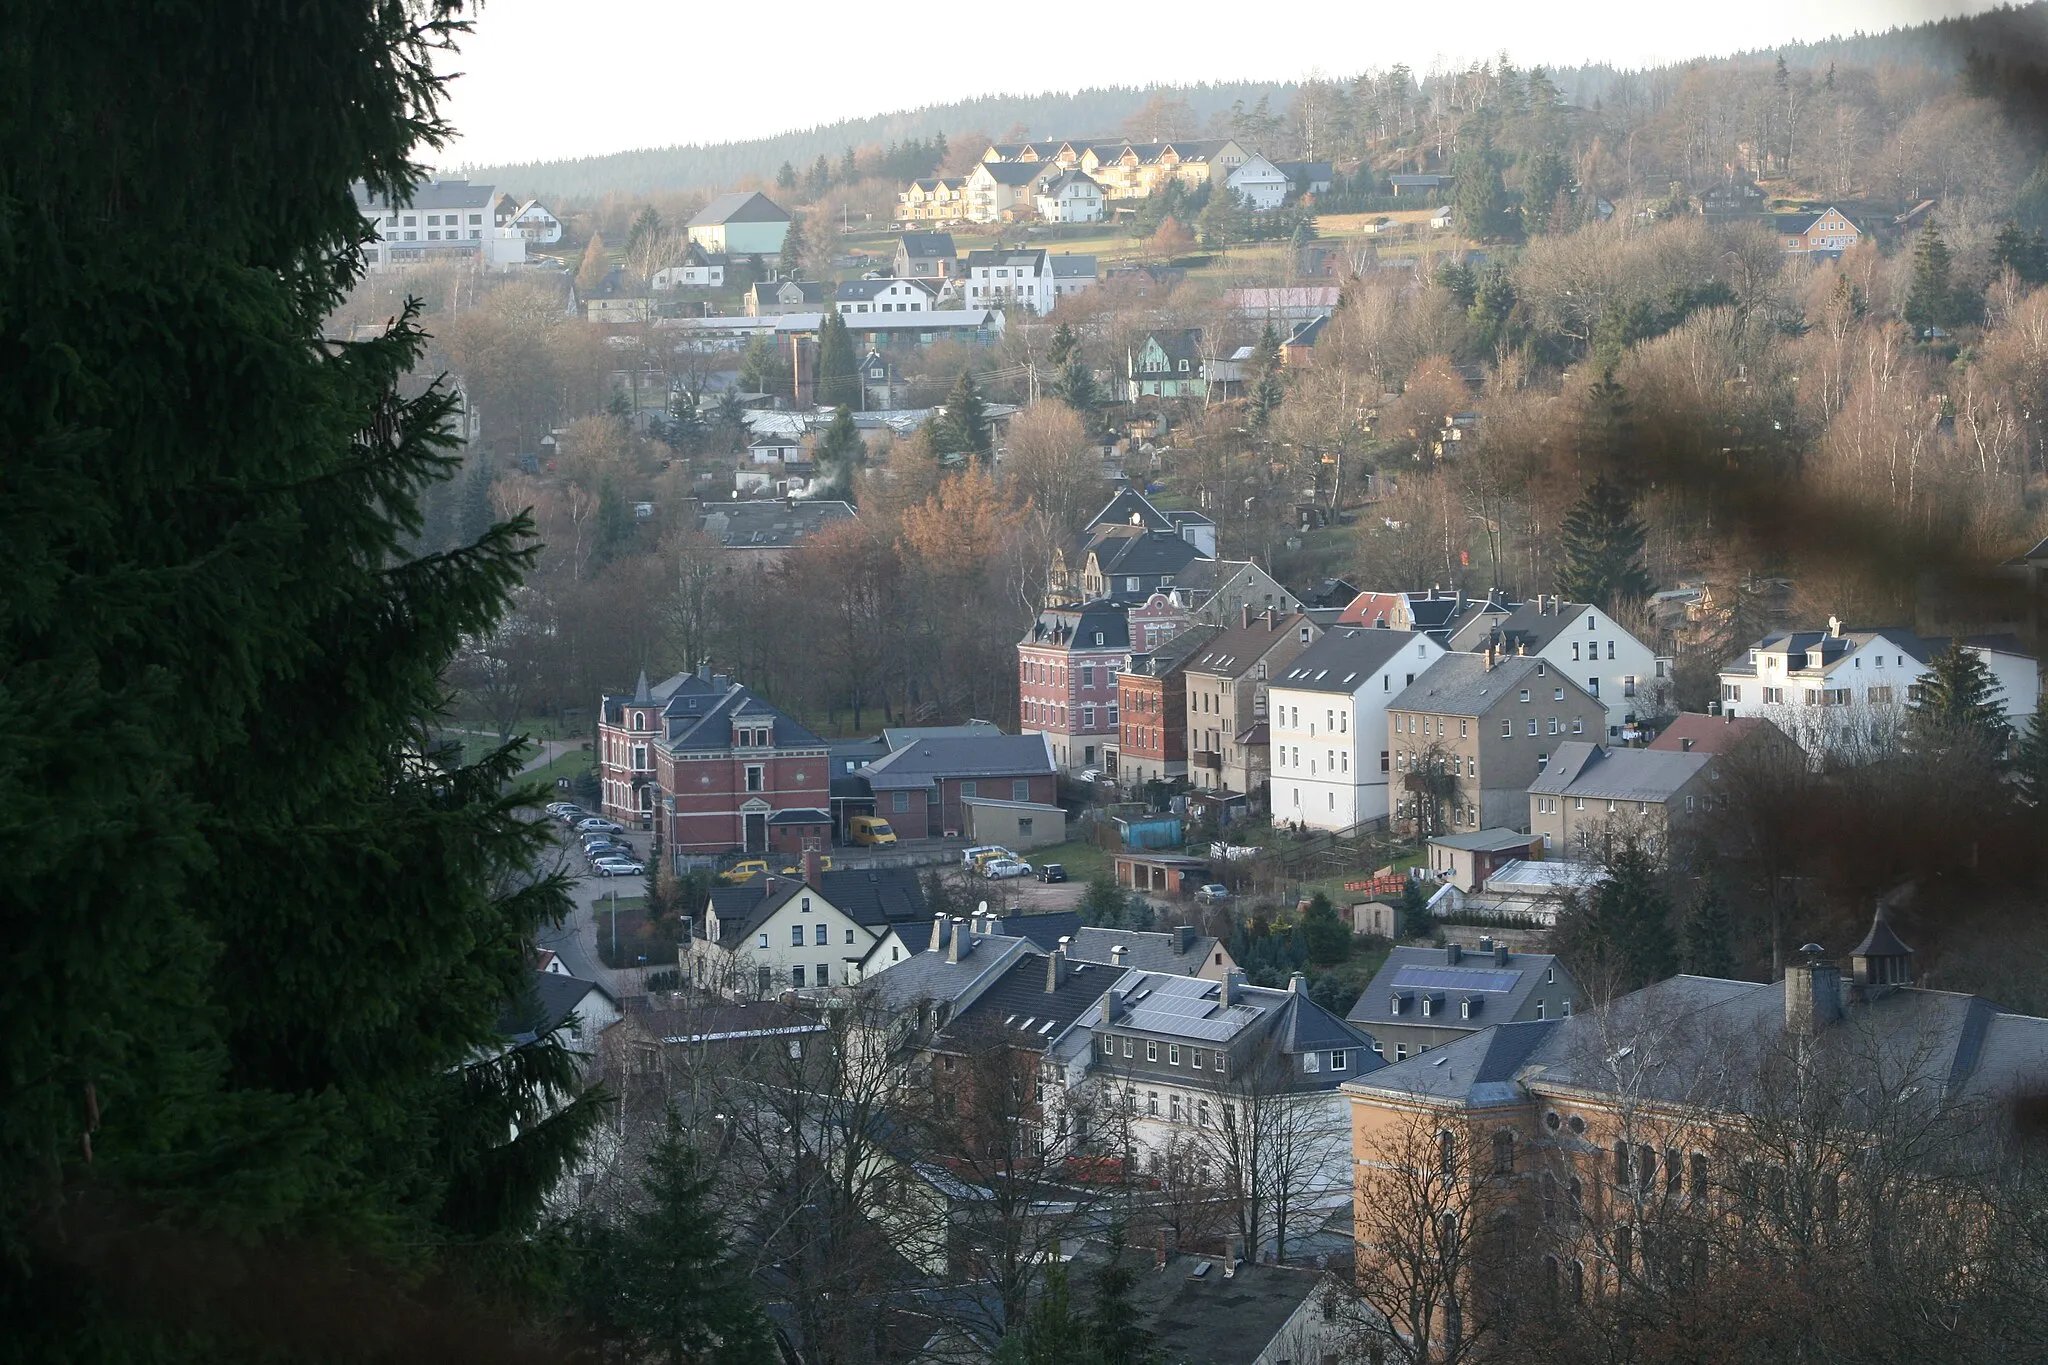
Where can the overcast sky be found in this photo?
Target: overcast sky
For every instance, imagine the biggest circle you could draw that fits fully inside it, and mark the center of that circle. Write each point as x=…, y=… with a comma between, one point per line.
x=542, y=80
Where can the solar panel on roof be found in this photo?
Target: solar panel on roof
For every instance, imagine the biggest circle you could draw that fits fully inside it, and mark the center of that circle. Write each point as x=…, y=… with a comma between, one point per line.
x=1456, y=979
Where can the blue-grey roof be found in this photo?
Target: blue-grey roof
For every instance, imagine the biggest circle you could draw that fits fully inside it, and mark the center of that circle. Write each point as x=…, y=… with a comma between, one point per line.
x=1144, y=949
x=770, y=523
x=1018, y=1010
x=1478, y=1070
x=546, y=1006
x=1076, y=627
x=699, y=722
x=1463, y=685
x=1128, y=503
x=1344, y=659
x=1501, y=988
x=1046, y=930
x=926, y=761
x=1578, y=768
x=738, y=207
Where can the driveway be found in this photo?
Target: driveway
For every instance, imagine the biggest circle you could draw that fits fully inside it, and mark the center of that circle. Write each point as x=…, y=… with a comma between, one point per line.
x=575, y=940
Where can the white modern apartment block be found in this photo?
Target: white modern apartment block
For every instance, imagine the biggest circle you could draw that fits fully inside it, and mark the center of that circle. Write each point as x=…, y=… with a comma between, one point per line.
x=1327, y=718
x=1846, y=692
x=1582, y=642
x=1261, y=184
x=1071, y=198
x=442, y=220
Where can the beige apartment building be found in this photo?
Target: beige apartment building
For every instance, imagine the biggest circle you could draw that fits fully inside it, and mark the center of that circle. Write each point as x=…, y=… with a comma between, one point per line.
x=1226, y=698
x=1592, y=800
x=1466, y=739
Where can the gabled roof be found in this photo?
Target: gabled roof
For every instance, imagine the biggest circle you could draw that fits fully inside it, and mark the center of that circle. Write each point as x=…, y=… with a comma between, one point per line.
x=1232, y=654
x=1477, y=1071
x=1129, y=503
x=1074, y=265
x=1486, y=841
x=739, y=207
x=855, y=290
x=694, y=721
x=1072, y=179
x=428, y=196
x=1308, y=333
x=1144, y=950
x=1044, y=930
x=1534, y=624
x=1016, y=1008
x=927, y=975
x=920, y=764
x=1123, y=550
x=1214, y=1319
x=1501, y=990
x=1708, y=734
x=1462, y=684
x=1076, y=627
x=1345, y=659
x=1017, y=258
x=1180, y=343
x=1170, y=657
x=1579, y=769
x=771, y=523
x=808, y=291
x=546, y=1006
x=1013, y=173
x=929, y=246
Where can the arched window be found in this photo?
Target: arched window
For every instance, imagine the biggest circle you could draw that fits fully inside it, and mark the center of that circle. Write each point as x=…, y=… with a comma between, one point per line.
x=1699, y=1175
x=1578, y=1281
x=1446, y=1154
x=1549, y=1197
x=1620, y=1164
x=1550, y=1278
x=1576, y=1196
x=1646, y=1168
x=1504, y=1152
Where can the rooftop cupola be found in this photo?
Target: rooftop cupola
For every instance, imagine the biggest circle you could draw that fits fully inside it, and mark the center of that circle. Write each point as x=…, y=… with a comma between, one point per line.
x=1882, y=959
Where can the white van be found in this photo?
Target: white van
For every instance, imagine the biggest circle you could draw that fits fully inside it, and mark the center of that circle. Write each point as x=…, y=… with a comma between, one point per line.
x=971, y=858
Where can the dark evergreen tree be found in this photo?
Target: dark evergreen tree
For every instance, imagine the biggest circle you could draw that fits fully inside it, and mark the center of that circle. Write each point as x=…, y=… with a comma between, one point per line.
x=1120, y=1339
x=662, y=1284
x=785, y=178
x=1077, y=385
x=2030, y=764
x=1062, y=348
x=795, y=255
x=614, y=523
x=1493, y=305
x=1618, y=936
x=1602, y=543
x=838, y=375
x=849, y=168
x=1479, y=193
x=645, y=227
x=478, y=516
x=1329, y=937
x=819, y=178
x=1957, y=705
x=1544, y=179
x=1931, y=298
x=963, y=429
x=841, y=452
x=1416, y=920
x=256, y=1028
x=1266, y=390
x=1459, y=280
x=2022, y=252
x=1054, y=1332
x=1707, y=935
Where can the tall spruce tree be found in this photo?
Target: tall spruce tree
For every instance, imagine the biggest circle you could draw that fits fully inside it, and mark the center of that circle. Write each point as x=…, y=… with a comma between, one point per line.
x=1931, y=297
x=964, y=427
x=1706, y=936
x=1054, y=1332
x=1619, y=935
x=1957, y=705
x=1120, y=1338
x=1076, y=386
x=1479, y=192
x=1062, y=347
x=838, y=379
x=256, y=1033
x=662, y=1284
x=795, y=255
x=1602, y=543
x=841, y=452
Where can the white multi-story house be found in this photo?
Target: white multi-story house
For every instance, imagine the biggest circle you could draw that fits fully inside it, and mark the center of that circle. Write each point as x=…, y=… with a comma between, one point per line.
x=531, y=220
x=1020, y=278
x=1327, y=717
x=1582, y=642
x=442, y=220
x=1070, y=197
x=1260, y=183
x=1846, y=692
x=1000, y=190
x=698, y=269
x=813, y=931
x=880, y=295
x=1166, y=1066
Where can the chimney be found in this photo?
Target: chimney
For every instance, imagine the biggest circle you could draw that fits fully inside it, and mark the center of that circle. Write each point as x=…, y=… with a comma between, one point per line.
x=1116, y=955
x=1183, y=938
x=811, y=868
x=1272, y=619
x=1813, y=993
x=1500, y=954
x=1056, y=968
x=1298, y=984
x=953, y=949
x=1233, y=986
x=1245, y=616
x=1166, y=1247
x=1452, y=952
x=938, y=931
x=1233, y=1255
x=721, y=681
x=1685, y=743
x=1486, y=943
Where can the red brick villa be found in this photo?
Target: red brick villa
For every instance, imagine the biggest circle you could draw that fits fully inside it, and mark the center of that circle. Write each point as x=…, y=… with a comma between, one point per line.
x=717, y=766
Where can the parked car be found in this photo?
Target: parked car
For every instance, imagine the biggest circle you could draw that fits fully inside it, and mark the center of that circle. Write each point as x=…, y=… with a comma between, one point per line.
x=869, y=830
x=599, y=852
x=974, y=857
x=597, y=824
x=571, y=815
x=797, y=869
x=560, y=808
x=991, y=854
x=741, y=871
x=1052, y=872
x=1002, y=869
x=619, y=867
x=1215, y=893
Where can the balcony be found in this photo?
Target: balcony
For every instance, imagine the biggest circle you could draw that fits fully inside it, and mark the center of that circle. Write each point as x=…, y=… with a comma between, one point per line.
x=1206, y=758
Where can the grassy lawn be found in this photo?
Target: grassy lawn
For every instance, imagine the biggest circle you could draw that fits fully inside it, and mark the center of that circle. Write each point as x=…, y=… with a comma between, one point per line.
x=570, y=765
x=1082, y=860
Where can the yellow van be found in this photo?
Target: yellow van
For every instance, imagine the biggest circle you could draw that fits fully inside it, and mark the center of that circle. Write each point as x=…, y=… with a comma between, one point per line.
x=869, y=829
x=984, y=857
x=739, y=872
x=796, y=869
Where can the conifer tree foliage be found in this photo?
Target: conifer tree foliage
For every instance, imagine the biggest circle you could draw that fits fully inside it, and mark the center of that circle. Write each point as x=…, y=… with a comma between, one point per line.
x=1933, y=298
x=1706, y=938
x=796, y=248
x=1618, y=937
x=662, y=1283
x=841, y=452
x=1957, y=705
x=1602, y=543
x=838, y=382
x=1480, y=193
x=963, y=428
x=259, y=995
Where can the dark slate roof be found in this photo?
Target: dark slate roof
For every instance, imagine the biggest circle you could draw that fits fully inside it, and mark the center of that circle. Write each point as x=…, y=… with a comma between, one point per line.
x=878, y=895
x=1462, y=685
x=1169, y=658
x=698, y=723
x=1214, y=1320
x=1503, y=990
x=1018, y=1010
x=1075, y=627
x=1020, y=258
x=1433, y=611
x=546, y=1007
x=1133, y=550
x=1345, y=659
x=929, y=246
x=1074, y=265
x=1128, y=503
x=1183, y=343
x=1304, y=172
x=767, y=291
x=1527, y=623
x=430, y=195
x=1578, y=768
x=1044, y=930
x=800, y=817
x=1067, y=179
x=1832, y=646
x=739, y=207
x=1144, y=949
x=1478, y=1070
x=1306, y=1026
x=926, y=975
x=1308, y=333
x=1881, y=941
x=1015, y=173
x=1486, y=841
x=770, y=524
x=926, y=761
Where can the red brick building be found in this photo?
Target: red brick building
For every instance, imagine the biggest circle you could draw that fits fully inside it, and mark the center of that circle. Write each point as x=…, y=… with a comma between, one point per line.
x=714, y=767
x=1154, y=689
x=921, y=788
x=1067, y=668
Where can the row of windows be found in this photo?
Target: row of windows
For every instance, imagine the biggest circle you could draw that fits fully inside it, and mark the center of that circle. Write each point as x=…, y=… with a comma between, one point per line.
x=1335, y=760
x=1822, y=696
x=1334, y=722
x=1198, y=1057
x=822, y=936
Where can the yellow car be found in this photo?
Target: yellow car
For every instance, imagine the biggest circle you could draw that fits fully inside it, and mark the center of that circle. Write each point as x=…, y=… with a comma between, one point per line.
x=739, y=872
x=797, y=869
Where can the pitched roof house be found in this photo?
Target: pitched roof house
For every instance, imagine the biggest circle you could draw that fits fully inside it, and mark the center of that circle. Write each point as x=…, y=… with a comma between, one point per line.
x=1067, y=665
x=921, y=786
x=1327, y=725
x=1167, y=365
x=926, y=255
x=740, y=224
x=1592, y=798
x=1227, y=686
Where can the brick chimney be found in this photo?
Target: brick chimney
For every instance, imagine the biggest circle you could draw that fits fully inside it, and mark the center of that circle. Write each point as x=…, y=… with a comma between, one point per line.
x=1233, y=986
x=1056, y=968
x=1245, y=616
x=1166, y=1247
x=1298, y=984
x=812, y=869
x=1452, y=952
x=954, y=951
x=1183, y=938
x=1813, y=993
x=938, y=931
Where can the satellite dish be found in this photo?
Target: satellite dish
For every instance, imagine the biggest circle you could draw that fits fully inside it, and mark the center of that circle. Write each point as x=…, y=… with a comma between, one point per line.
x=983, y=907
